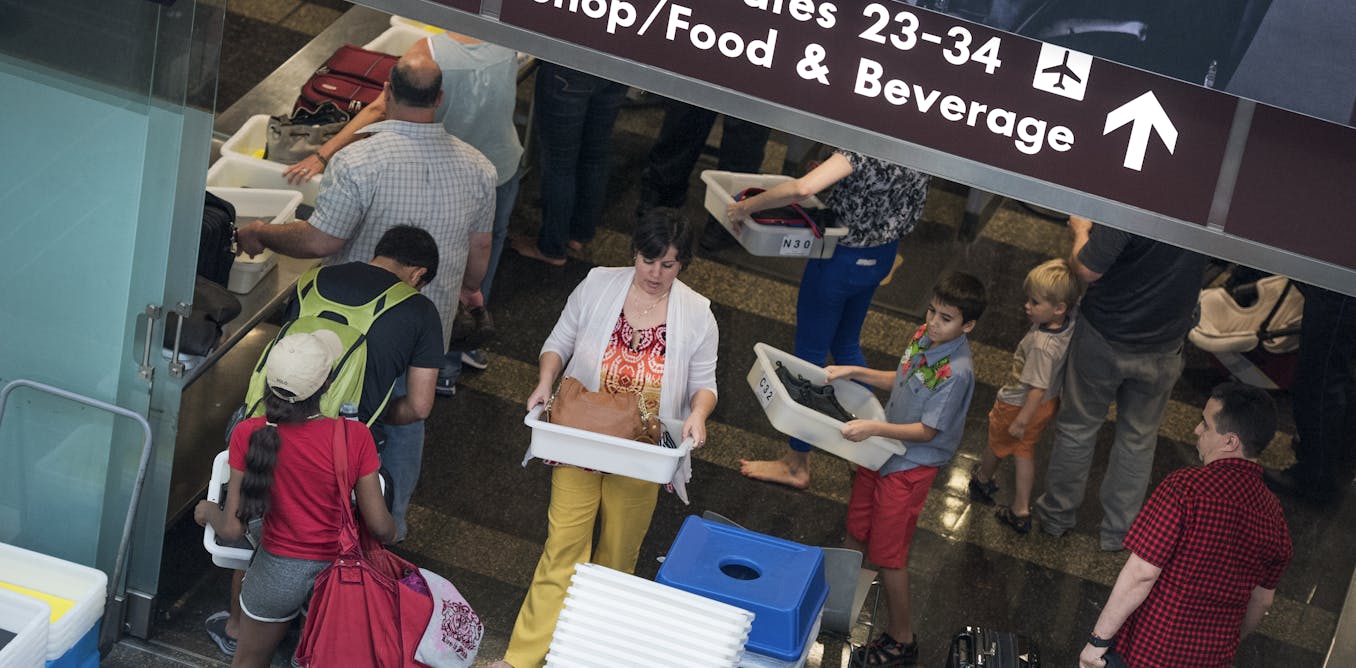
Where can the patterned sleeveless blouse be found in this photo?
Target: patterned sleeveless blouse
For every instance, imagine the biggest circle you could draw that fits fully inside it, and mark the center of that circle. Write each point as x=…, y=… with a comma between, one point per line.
x=634, y=361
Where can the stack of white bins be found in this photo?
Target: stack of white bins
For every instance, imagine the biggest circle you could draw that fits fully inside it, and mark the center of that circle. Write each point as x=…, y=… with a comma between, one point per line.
x=75, y=594
x=614, y=619
x=23, y=630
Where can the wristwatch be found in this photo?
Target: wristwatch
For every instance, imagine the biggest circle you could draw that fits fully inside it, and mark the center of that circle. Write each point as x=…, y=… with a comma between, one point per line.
x=1098, y=642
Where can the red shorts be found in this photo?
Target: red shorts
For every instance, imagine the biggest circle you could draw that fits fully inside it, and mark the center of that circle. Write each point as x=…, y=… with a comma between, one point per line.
x=883, y=512
x=1002, y=444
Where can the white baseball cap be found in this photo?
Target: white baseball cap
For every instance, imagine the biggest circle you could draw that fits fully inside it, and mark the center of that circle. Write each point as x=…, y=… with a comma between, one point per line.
x=300, y=364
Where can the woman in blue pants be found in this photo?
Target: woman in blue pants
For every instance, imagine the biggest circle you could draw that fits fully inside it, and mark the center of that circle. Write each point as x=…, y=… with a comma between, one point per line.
x=879, y=203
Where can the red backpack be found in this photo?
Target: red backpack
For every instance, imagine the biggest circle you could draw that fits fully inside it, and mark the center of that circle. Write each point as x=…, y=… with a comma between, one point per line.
x=352, y=78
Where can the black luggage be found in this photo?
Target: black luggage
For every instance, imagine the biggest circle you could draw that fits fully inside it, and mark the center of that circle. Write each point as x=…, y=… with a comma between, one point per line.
x=976, y=646
x=216, y=246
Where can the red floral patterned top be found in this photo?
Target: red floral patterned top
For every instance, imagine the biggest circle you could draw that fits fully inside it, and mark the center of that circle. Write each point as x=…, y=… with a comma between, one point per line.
x=633, y=362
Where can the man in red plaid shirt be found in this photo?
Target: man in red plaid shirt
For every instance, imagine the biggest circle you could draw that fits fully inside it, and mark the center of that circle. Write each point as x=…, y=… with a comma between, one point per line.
x=1206, y=551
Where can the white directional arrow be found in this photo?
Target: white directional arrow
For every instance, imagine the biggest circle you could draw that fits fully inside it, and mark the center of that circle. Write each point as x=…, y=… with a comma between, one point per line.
x=1146, y=114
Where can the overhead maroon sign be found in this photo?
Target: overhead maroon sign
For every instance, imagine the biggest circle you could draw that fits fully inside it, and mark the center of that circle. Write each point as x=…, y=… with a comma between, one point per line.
x=1008, y=101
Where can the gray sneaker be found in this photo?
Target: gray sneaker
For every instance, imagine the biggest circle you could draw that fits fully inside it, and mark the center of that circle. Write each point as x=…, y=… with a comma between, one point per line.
x=216, y=628
x=475, y=359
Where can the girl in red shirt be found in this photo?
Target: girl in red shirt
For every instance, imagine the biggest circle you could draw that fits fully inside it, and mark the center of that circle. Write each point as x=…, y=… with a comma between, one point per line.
x=292, y=446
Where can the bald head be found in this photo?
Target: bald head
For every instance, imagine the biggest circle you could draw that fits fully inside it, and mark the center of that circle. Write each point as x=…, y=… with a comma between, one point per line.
x=416, y=82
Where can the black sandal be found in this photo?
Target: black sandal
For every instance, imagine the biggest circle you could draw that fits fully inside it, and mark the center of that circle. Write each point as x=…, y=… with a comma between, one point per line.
x=1019, y=523
x=886, y=652
x=982, y=492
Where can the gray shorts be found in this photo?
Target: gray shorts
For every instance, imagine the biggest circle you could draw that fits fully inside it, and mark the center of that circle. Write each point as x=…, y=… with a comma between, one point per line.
x=277, y=588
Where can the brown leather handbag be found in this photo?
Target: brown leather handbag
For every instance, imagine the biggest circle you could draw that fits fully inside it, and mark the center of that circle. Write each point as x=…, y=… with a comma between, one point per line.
x=619, y=414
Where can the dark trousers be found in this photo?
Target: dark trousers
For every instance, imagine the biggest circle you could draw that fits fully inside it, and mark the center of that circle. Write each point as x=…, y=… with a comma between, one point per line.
x=574, y=117
x=1323, y=384
x=681, y=140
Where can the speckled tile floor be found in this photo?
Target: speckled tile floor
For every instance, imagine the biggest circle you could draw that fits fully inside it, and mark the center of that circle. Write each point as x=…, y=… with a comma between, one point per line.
x=479, y=517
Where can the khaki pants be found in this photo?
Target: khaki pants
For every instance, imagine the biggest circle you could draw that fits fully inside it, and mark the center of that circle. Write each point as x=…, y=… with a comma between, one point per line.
x=1099, y=374
x=624, y=506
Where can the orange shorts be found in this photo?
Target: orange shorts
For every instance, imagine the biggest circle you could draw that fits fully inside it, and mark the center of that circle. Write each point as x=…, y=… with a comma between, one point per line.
x=1002, y=444
x=883, y=512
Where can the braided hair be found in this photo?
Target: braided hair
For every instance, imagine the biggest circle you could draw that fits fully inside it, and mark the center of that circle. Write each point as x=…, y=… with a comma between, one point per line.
x=262, y=456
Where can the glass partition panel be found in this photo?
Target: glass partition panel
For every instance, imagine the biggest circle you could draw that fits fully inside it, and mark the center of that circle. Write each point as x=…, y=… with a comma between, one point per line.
x=108, y=109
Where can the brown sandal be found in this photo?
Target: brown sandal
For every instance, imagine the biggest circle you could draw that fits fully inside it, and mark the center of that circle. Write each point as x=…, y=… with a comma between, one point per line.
x=1019, y=523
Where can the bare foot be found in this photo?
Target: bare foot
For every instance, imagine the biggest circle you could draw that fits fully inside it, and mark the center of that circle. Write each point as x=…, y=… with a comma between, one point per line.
x=578, y=250
x=526, y=247
x=778, y=471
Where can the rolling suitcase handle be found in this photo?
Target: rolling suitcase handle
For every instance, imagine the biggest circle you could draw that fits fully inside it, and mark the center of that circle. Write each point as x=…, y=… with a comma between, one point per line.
x=962, y=651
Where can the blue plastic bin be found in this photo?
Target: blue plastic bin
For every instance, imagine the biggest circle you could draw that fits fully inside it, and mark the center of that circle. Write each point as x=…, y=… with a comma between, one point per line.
x=781, y=582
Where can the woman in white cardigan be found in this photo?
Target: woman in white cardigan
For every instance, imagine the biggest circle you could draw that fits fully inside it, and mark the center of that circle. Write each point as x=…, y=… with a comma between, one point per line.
x=636, y=329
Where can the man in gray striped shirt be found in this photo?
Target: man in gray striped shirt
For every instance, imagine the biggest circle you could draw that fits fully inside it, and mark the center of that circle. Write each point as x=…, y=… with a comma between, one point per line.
x=408, y=171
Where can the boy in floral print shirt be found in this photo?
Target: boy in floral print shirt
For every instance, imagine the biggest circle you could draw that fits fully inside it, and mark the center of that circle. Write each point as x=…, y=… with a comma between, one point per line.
x=930, y=394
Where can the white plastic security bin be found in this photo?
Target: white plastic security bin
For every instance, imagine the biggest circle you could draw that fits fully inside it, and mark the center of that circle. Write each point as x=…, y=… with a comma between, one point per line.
x=23, y=622
x=398, y=38
x=250, y=140
x=809, y=425
x=75, y=594
x=233, y=170
x=276, y=206
x=766, y=240
x=609, y=454
x=230, y=556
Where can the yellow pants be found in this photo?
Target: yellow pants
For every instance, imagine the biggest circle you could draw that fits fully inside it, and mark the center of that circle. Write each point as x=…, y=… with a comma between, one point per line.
x=625, y=506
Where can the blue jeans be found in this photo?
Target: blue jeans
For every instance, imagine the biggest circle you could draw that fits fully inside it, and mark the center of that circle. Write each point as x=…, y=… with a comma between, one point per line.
x=575, y=113
x=504, y=198
x=401, y=457
x=835, y=294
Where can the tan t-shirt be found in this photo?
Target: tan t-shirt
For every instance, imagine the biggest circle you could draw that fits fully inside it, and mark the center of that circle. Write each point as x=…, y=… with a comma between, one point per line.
x=1038, y=362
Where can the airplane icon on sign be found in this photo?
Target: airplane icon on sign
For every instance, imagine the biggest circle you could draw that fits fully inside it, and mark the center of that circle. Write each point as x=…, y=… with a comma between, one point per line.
x=1062, y=71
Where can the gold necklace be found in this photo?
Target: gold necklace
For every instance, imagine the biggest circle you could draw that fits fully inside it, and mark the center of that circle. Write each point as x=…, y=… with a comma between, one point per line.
x=662, y=297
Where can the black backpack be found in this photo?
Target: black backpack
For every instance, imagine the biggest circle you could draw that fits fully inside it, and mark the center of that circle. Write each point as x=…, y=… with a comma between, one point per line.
x=216, y=246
